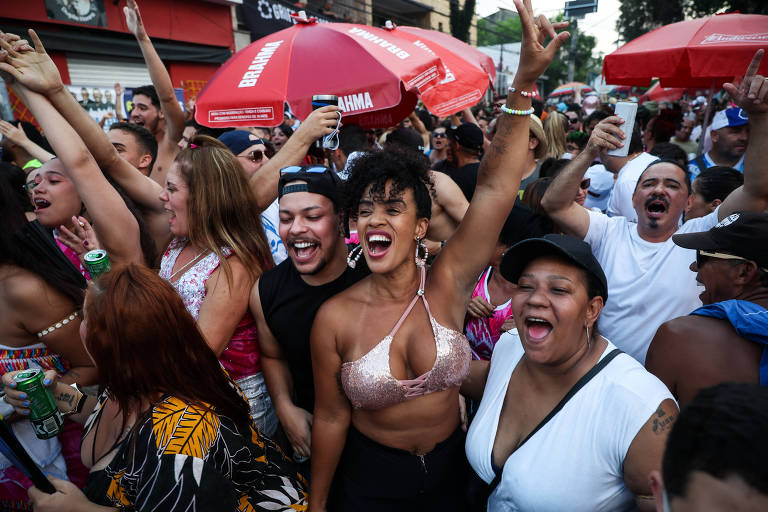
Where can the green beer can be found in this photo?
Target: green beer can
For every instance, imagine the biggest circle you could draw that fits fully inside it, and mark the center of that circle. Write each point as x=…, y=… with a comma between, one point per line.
x=97, y=262
x=43, y=413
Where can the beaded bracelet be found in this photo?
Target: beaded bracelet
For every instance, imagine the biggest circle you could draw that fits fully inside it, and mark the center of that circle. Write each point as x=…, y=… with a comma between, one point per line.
x=516, y=112
x=523, y=93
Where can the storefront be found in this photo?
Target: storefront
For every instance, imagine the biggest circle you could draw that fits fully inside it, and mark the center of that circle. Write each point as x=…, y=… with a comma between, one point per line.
x=92, y=47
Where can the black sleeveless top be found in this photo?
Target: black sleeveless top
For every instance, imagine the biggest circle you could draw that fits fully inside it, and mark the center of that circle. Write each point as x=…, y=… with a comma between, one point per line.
x=290, y=305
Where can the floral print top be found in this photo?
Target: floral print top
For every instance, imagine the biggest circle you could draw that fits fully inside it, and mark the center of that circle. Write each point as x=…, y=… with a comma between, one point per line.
x=183, y=457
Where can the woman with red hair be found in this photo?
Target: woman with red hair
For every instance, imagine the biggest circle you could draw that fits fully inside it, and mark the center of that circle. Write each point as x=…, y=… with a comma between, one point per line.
x=170, y=428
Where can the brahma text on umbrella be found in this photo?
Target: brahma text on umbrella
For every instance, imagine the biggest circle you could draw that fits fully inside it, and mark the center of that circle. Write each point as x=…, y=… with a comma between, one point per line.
x=358, y=101
x=258, y=64
x=390, y=47
x=449, y=76
x=736, y=38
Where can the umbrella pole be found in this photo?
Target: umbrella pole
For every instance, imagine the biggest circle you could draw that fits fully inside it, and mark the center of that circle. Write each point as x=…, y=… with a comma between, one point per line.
x=707, y=112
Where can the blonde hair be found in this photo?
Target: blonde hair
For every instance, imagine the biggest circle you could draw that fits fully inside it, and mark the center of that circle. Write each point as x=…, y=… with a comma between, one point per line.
x=221, y=209
x=555, y=130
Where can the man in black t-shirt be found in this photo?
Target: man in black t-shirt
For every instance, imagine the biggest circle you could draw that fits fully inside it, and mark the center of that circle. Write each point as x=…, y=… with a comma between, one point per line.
x=466, y=144
x=286, y=298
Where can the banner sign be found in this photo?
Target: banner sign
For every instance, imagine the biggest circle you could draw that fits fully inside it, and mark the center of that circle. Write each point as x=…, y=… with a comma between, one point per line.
x=264, y=17
x=100, y=101
x=87, y=12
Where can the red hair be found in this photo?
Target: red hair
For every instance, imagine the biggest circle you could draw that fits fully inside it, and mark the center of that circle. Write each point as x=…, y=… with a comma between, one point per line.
x=146, y=345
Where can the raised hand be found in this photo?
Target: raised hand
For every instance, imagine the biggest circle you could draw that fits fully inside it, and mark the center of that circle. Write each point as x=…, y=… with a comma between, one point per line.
x=751, y=93
x=534, y=56
x=14, y=133
x=33, y=69
x=133, y=20
x=81, y=239
x=607, y=135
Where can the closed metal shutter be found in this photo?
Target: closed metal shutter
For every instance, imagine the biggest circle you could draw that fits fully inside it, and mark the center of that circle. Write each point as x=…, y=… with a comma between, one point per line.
x=105, y=72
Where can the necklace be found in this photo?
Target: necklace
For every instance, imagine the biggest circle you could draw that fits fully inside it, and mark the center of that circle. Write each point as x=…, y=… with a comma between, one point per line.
x=188, y=264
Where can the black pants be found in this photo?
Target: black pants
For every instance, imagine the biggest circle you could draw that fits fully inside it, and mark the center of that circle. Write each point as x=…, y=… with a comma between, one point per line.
x=372, y=477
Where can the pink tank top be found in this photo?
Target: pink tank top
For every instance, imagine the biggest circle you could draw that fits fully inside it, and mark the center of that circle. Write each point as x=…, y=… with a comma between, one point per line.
x=241, y=357
x=369, y=384
x=483, y=333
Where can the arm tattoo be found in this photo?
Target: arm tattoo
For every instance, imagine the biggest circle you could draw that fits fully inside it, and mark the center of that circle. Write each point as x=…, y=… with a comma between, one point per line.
x=662, y=421
x=66, y=397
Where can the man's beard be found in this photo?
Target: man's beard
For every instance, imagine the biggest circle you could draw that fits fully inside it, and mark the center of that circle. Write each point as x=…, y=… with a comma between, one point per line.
x=320, y=266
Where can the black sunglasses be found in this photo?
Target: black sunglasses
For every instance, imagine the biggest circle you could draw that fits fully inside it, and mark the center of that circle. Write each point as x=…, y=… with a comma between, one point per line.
x=439, y=135
x=254, y=156
x=293, y=169
x=585, y=183
x=704, y=256
x=573, y=120
x=30, y=185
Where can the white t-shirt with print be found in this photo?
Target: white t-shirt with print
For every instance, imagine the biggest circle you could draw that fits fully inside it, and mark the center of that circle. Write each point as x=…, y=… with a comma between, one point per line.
x=648, y=283
x=270, y=220
x=620, y=203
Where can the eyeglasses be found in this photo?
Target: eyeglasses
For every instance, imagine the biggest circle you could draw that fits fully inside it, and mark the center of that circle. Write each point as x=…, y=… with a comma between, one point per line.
x=254, y=156
x=584, y=185
x=293, y=169
x=703, y=256
x=439, y=135
x=30, y=185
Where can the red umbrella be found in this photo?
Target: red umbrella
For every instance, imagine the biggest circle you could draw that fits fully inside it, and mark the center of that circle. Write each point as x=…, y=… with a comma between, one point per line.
x=659, y=93
x=369, y=69
x=468, y=71
x=705, y=52
x=570, y=88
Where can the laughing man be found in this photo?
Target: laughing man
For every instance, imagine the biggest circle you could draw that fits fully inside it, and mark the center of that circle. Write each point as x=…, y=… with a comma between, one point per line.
x=649, y=281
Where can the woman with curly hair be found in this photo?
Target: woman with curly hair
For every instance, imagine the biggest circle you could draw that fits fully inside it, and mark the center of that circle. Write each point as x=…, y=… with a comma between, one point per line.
x=388, y=354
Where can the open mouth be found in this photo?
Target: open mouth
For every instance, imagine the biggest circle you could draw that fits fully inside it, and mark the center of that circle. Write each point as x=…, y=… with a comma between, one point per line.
x=378, y=244
x=41, y=204
x=537, y=329
x=303, y=250
x=656, y=208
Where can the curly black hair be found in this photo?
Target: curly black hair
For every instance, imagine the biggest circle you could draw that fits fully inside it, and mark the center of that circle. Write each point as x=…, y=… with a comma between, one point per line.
x=402, y=168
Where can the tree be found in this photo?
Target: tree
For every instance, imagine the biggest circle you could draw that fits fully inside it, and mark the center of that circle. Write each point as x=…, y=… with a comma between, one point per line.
x=461, y=19
x=640, y=16
x=699, y=8
x=508, y=31
x=587, y=64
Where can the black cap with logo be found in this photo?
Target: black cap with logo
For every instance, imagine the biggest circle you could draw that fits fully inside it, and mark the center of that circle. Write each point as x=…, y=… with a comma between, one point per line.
x=468, y=135
x=578, y=251
x=743, y=234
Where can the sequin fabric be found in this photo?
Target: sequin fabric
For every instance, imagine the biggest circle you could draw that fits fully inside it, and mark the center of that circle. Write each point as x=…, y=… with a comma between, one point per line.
x=369, y=384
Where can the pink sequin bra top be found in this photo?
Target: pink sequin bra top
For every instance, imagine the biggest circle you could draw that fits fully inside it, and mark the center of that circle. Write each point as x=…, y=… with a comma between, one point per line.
x=369, y=384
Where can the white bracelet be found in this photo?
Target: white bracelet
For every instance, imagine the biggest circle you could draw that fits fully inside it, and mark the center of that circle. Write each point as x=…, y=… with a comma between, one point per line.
x=523, y=93
x=516, y=112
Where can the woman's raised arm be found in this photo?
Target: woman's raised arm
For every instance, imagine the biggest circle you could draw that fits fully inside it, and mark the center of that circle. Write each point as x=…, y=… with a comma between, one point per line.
x=471, y=247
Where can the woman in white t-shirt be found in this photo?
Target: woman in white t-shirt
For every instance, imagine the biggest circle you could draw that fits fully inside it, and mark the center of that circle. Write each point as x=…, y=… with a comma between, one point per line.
x=597, y=450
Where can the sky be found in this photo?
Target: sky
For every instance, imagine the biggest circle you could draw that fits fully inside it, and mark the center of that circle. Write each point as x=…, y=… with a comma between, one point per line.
x=601, y=24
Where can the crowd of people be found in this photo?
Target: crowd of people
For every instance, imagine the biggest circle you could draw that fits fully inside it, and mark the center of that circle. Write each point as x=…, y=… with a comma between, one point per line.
x=481, y=312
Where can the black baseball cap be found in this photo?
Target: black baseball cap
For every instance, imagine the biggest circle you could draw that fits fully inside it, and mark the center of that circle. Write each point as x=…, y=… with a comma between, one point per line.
x=468, y=135
x=743, y=234
x=317, y=179
x=577, y=251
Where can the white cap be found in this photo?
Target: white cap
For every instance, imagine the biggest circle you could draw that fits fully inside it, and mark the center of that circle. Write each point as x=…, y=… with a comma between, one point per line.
x=600, y=186
x=733, y=116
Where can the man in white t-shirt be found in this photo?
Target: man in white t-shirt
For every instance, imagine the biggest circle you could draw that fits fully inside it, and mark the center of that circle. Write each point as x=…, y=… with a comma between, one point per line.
x=649, y=279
